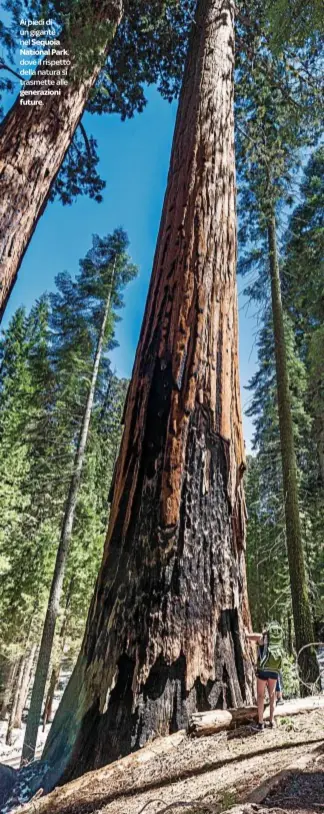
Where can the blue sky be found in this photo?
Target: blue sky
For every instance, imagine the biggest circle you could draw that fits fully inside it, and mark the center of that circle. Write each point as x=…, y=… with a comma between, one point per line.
x=134, y=159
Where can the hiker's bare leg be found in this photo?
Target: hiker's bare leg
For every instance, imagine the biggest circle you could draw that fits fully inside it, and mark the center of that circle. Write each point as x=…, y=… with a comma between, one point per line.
x=272, y=696
x=261, y=685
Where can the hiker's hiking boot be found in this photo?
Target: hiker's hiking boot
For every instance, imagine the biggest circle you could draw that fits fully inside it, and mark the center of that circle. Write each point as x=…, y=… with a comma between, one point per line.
x=272, y=724
x=257, y=727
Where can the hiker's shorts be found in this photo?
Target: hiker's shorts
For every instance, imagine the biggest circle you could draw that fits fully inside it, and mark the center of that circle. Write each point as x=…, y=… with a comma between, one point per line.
x=266, y=674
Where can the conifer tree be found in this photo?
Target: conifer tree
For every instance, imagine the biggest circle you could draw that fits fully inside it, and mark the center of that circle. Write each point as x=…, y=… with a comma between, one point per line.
x=46, y=361
x=268, y=575
x=277, y=115
x=103, y=274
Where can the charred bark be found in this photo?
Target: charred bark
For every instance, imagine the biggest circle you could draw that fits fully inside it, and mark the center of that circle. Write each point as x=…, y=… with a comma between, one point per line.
x=165, y=635
x=34, y=141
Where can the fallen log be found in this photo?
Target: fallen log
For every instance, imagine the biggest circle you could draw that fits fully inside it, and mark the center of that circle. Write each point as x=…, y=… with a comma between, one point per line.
x=216, y=720
x=101, y=788
x=297, y=705
x=62, y=799
x=207, y=723
x=243, y=715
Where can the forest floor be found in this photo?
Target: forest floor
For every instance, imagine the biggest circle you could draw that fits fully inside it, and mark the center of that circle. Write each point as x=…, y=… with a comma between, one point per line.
x=208, y=775
x=302, y=791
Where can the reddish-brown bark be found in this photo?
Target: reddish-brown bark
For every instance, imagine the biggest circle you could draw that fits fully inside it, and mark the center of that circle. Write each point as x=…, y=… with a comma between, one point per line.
x=33, y=144
x=165, y=631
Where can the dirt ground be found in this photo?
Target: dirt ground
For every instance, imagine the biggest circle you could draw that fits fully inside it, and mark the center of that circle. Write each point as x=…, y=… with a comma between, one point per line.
x=224, y=769
x=302, y=792
x=209, y=775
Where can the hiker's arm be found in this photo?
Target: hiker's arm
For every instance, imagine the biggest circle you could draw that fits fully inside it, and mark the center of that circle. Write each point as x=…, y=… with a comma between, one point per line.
x=254, y=637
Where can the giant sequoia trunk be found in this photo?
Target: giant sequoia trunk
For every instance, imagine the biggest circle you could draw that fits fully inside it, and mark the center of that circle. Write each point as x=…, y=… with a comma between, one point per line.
x=301, y=605
x=165, y=630
x=34, y=141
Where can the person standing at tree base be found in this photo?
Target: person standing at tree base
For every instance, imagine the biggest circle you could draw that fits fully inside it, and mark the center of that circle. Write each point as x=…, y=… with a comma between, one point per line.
x=268, y=668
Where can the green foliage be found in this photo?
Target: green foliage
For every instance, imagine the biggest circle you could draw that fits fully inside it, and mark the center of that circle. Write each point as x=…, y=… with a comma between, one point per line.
x=278, y=114
x=277, y=120
x=266, y=549
x=290, y=678
x=303, y=291
x=148, y=48
x=293, y=20
x=78, y=174
x=304, y=249
x=46, y=361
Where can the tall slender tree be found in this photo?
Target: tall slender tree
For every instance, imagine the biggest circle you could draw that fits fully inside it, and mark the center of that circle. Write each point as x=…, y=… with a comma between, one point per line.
x=165, y=632
x=303, y=294
x=268, y=573
x=44, y=381
x=273, y=122
x=104, y=272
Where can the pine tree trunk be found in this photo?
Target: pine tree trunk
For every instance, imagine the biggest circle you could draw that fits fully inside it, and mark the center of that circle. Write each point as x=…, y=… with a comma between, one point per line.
x=7, y=677
x=25, y=684
x=46, y=646
x=319, y=428
x=48, y=708
x=301, y=605
x=289, y=637
x=165, y=630
x=15, y=699
x=33, y=144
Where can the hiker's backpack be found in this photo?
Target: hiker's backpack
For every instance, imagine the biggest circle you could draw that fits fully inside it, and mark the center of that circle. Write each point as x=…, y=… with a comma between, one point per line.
x=271, y=657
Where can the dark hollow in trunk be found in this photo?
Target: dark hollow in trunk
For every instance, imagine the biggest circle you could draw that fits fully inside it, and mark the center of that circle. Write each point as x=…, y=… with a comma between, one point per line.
x=165, y=630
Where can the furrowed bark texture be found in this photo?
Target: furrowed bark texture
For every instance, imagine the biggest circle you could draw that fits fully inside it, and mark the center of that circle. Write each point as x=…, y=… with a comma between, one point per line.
x=301, y=605
x=33, y=145
x=165, y=631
